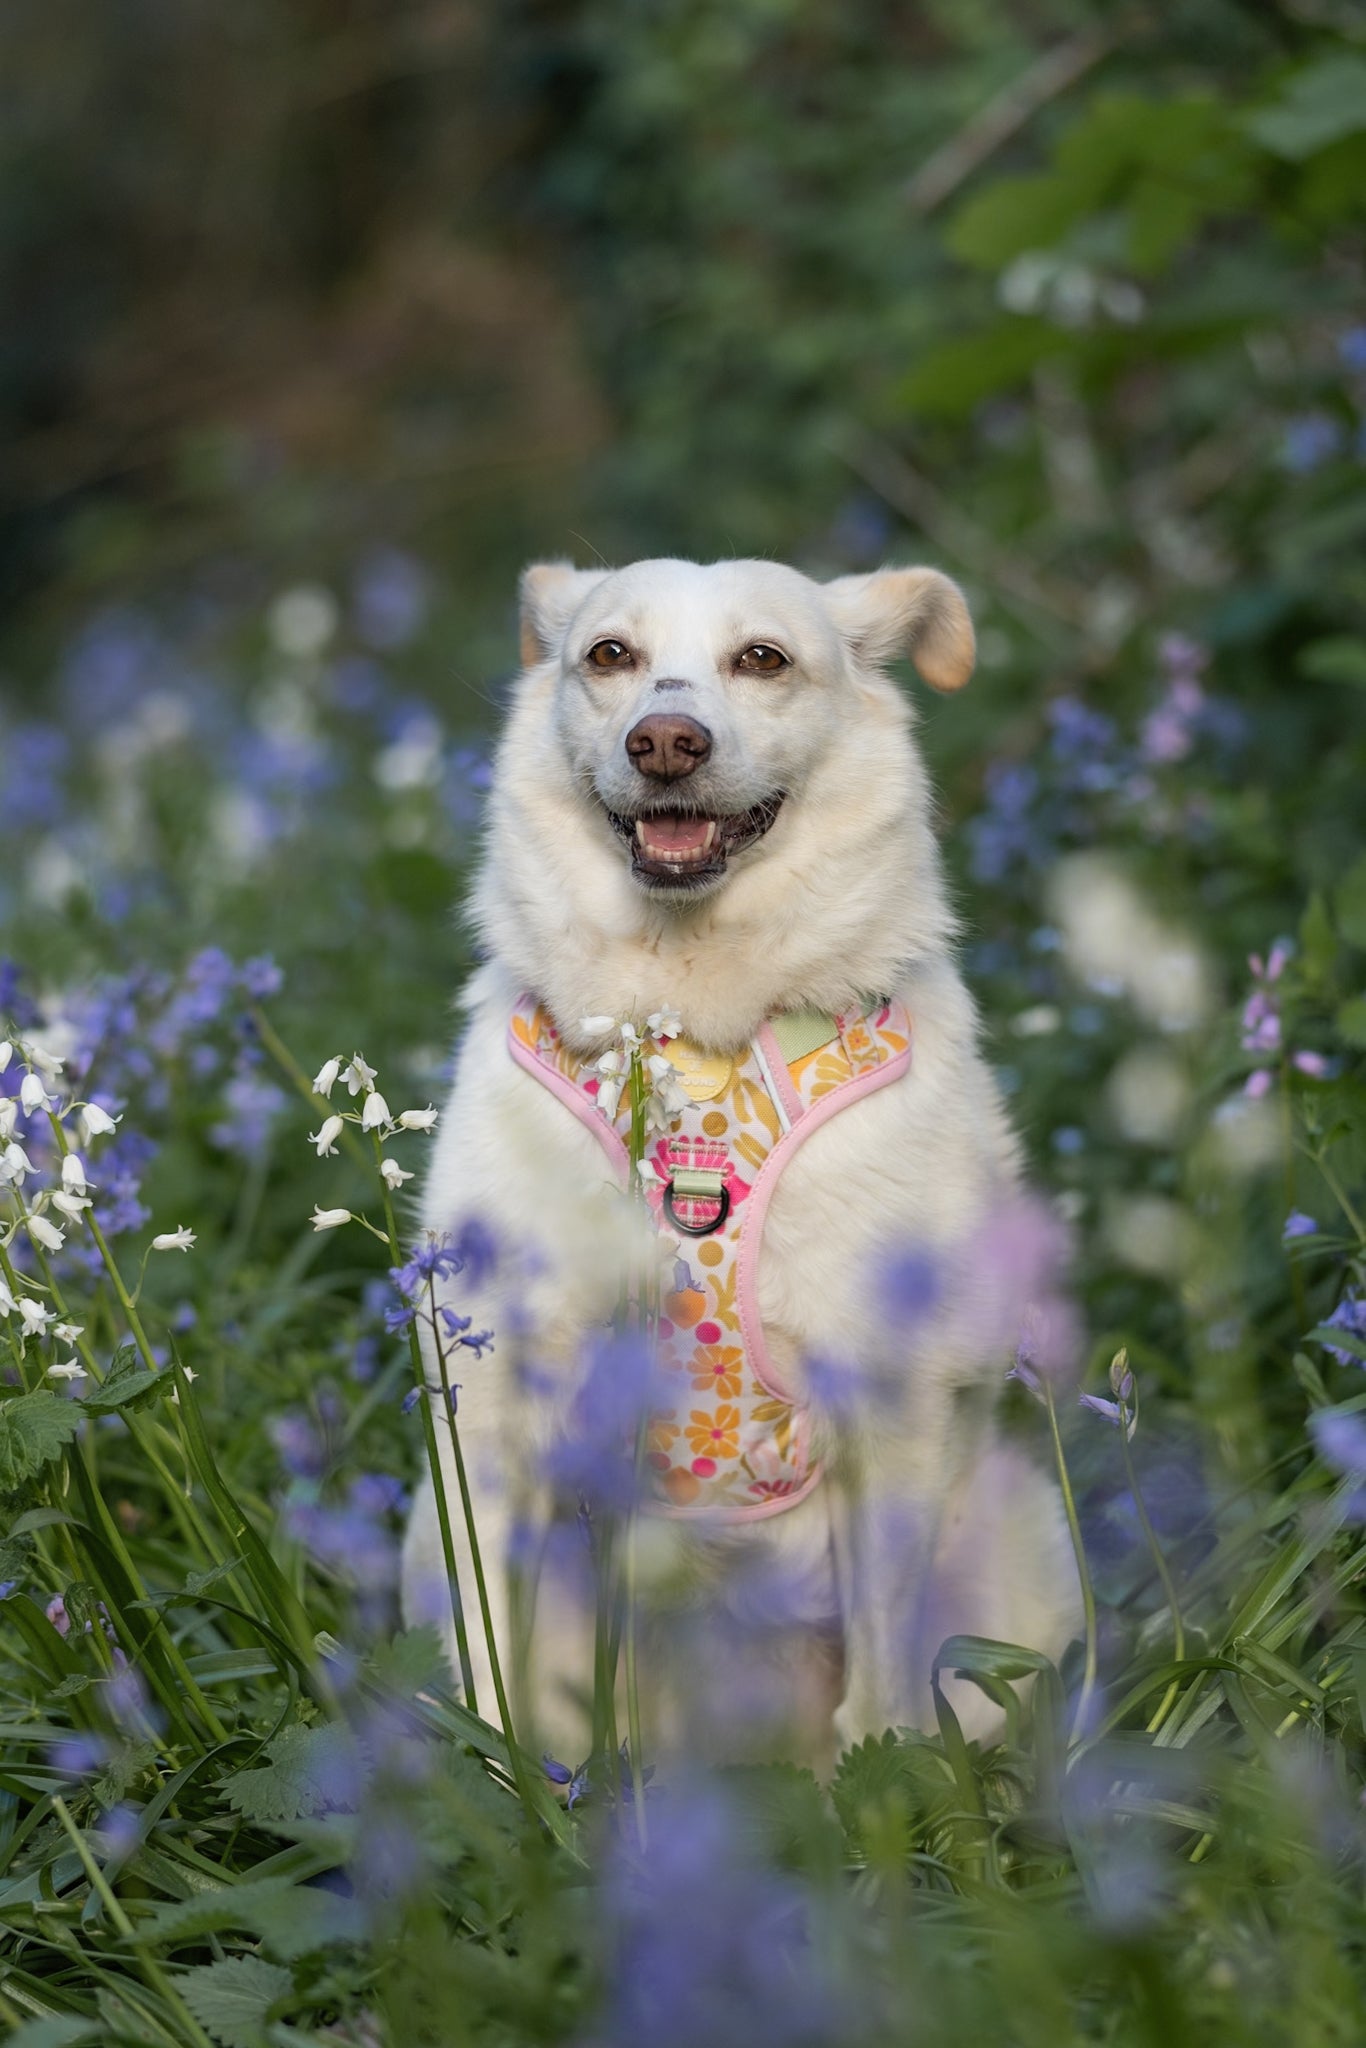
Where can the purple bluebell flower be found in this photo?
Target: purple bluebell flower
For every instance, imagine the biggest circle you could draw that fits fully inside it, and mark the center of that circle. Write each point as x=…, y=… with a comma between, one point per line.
x=477, y=1249
x=1340, y=1440
x=436, y=1259
x=298, y=1445
x=78, y=1756
x=1297, y=1224
x=391, y=597
x=910, y=1285
x=1349, y=1316
x=1309, y=441
x=410, y=1400
x=1352, y=350
x=261, y=978
x=593, y=1458
x=706, y=1944
x=252, y=1105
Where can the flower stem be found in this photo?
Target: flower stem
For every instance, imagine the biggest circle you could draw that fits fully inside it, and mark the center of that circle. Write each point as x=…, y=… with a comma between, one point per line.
x=1088, y=1596
x=1163, y=1572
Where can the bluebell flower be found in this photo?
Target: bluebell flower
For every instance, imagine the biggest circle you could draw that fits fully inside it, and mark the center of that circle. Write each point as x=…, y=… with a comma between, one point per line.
x=910, y=1285
x=436, y=1259
x=1297, y=1224
x=299, y=1447
x=1349, y=1315
x=1309, y=441
x=593, y=1458
x=1352, y=350
x=706, y=1944
x=252, y=1105
x=261, y=978
x=410, y=1400
x=390, y=597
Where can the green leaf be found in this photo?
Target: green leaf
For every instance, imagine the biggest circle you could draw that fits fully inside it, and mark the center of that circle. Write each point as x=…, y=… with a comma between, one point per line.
x=34, y=1429
x=233, y=1999
x=1349, y=901
x=311, y=1771
x=1318, y=941
x=885, y=1772
x=16, y=1556
x=1320, y=104
x=1351, y=1020
x=55, y=2031
x=413, y=1661
x=127, y=1384
x=293, y=1918
x=1340, y=658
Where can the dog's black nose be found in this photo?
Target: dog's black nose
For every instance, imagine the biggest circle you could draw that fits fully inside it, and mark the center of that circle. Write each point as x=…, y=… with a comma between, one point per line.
x=668, y=746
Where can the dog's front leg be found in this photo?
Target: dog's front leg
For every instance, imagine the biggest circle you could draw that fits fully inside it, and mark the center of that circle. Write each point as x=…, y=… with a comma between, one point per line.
x=888, y=1511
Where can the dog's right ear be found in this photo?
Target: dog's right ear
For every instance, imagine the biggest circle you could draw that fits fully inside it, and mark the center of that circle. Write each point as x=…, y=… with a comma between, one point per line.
x=551, y=593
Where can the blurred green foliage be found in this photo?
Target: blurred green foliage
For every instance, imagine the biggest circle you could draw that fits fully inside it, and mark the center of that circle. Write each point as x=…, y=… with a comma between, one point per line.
x=310, y=300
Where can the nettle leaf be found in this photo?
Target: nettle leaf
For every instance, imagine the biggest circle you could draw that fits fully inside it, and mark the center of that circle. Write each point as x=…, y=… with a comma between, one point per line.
x=16, y=1558
x=885, y=1771
x=34, y=1429
x=413, y=1661
x=292, y=1919
x=311, y=1771
x=233, y=1999
x=128, y=1384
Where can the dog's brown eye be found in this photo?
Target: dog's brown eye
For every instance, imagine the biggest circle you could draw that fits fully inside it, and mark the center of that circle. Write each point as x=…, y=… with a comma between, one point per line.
x=762, y=658
x=610, y=654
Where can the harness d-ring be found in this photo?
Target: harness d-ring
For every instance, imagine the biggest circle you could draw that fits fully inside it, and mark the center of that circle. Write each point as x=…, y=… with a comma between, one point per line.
x=696, y=1229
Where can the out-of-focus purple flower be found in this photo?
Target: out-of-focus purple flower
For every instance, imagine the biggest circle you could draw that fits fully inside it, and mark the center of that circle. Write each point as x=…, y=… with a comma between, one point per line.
x=594, y=1455
x=410, y=1400
x=298, y=1445
x=350, y=1541
x=860, y=530
x=57, y=1615
x=705, y=1944
x=1349, y=1316
x=1311, y=1063
x=1005, y=834
x=252, y=1105
x=477, y=1249
x=118, y=1208
x=1009, y=1291
x=1297, y=1224
x=115, y=658
x=261, y=978
x=388, y=1863
x=910, y=1286
x=120, y=1828
x=1309, y=442
x=845, y=1390
x=1259, y=1083
x=78, y=1756
x=1340, y=1440
x=379, y=1493
x=390, y=597
x=1084, y=744
x=1352, y=350
x=35, y=759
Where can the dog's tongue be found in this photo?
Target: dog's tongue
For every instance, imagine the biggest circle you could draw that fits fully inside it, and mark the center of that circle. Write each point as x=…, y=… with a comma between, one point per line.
x=676, y=834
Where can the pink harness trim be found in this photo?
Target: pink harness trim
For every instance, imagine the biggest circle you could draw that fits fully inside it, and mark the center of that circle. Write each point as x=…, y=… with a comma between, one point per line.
x=867, y=1053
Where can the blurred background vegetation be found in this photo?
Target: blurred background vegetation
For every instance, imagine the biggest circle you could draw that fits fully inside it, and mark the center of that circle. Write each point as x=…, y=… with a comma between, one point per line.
x=321, y=318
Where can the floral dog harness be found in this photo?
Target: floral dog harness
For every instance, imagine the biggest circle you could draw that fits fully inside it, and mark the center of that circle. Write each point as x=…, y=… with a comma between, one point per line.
x=735, y=1444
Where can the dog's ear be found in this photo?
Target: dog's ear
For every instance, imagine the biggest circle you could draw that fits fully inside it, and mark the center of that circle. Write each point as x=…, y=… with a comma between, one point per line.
x=551, y=593
x=907, y=611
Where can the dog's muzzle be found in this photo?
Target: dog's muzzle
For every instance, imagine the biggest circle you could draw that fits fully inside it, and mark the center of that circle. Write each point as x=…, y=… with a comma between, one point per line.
x=685, y=849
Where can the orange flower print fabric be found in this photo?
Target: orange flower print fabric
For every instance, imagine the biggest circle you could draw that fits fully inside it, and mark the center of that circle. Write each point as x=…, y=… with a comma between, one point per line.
x=744, y=1449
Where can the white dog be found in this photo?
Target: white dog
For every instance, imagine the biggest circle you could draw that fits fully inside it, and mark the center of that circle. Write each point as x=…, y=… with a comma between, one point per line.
x=708, y=802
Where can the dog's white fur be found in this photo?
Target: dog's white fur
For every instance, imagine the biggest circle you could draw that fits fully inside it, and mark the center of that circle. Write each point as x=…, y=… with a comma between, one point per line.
x=926, y=1525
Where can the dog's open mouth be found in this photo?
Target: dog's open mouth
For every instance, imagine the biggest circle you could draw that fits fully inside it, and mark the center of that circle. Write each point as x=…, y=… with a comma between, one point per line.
x=684, y=849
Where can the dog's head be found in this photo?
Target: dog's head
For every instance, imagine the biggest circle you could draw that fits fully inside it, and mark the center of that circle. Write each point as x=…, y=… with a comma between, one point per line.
x=693, y=705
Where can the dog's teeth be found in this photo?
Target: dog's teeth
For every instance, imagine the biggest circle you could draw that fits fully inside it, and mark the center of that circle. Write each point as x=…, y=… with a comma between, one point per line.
x=640, y=830
x=710, y=840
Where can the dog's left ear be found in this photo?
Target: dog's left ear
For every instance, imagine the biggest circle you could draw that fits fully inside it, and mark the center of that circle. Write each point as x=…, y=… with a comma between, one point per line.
x=551, y=593
x=907, y=611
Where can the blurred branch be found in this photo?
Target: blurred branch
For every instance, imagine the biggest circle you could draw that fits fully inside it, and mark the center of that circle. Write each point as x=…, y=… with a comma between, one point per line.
x=1055, y=612
x=1004, y=116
